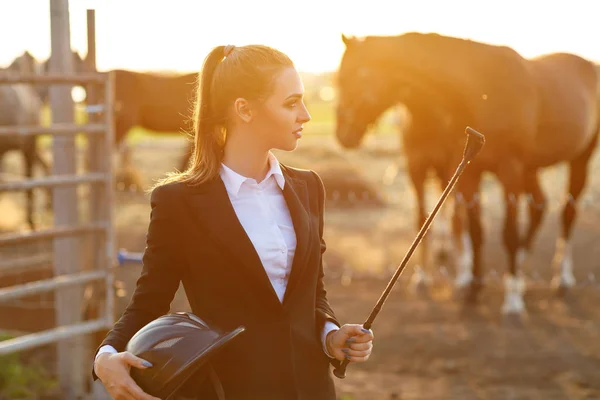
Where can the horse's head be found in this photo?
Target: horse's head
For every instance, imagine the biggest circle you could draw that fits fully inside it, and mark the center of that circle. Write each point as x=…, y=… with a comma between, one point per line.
x=26, y=64
x=364, y=90
x=377, y=72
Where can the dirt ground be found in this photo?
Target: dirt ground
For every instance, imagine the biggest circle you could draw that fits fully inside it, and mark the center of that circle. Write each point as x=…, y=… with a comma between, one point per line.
x=430, y=348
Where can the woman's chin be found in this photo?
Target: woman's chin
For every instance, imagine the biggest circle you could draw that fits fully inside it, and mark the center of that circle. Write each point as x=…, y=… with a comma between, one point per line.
x=290, y=146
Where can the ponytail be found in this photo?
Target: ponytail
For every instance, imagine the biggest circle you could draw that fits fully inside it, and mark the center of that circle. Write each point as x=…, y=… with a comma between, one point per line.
x=209, y=135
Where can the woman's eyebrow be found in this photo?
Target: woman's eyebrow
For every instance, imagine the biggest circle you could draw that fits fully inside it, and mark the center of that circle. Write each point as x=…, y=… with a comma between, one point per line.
x=295, y=95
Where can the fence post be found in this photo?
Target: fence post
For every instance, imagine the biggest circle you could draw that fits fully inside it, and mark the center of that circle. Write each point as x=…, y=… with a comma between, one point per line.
x=70, y=353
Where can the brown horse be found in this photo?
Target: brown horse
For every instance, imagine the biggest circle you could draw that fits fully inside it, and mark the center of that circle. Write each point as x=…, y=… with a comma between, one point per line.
x=535, y=113
x=157, y=102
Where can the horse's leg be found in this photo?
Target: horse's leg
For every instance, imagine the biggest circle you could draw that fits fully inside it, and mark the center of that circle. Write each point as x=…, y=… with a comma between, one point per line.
x=29, y=156
x=463, y=249
x=421, y=278
x=46, y=166
x=563, y=258
x=127, y=175
x=125, y=120
x=442, y=246
x=536, y=204
x=510, y=175
x=469, y=279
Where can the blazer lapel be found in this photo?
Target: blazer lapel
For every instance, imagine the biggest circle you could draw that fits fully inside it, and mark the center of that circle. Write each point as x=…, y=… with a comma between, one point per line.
x=296, y=197
x=212, y=207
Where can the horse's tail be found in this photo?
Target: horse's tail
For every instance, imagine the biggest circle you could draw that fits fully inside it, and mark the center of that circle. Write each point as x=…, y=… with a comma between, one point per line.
x=598, y=101
x=596, y=136
x=597, y=67
x=596, y=133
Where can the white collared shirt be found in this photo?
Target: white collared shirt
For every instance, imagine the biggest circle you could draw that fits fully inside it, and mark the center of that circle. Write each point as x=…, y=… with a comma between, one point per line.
x=263, y=212
x=264, y=215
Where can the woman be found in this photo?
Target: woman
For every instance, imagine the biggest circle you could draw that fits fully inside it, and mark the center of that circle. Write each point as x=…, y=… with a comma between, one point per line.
x=244, y=234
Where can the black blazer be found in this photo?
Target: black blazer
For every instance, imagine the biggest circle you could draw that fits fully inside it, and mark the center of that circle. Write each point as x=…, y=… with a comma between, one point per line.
x=195, y=236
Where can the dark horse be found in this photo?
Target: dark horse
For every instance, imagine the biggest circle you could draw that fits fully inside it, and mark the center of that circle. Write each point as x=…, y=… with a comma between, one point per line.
x=157, y=102
x=534, y=113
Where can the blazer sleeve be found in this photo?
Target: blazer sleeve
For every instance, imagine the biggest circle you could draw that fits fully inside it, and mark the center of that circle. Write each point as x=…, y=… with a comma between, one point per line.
x=324, y=312
x=162, y=270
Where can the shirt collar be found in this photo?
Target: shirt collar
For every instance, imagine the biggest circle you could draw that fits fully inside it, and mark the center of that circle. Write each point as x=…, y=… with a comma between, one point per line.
x=233, y=181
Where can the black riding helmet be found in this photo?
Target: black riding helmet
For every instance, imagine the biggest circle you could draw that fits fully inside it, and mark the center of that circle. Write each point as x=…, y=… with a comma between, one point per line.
x=178, y=345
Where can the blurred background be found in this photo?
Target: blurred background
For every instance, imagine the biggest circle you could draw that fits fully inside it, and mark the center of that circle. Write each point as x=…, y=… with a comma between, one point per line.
x=102, y=140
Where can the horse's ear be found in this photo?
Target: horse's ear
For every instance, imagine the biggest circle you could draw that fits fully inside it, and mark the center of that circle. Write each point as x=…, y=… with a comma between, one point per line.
x=347, y=40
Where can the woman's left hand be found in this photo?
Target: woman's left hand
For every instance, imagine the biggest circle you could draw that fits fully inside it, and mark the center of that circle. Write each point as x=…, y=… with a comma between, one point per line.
x=351, y=342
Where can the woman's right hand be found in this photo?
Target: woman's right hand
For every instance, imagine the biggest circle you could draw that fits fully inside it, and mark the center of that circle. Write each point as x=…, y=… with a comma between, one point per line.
x=113, y=371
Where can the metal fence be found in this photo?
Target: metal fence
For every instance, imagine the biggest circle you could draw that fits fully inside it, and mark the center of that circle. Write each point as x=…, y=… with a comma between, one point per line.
x=69, y=268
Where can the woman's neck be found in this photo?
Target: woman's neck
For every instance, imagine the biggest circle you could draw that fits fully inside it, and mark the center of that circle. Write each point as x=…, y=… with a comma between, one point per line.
x=246, y=157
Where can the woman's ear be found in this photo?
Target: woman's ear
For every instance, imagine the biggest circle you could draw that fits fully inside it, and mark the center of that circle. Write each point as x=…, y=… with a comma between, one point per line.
x=242, y=109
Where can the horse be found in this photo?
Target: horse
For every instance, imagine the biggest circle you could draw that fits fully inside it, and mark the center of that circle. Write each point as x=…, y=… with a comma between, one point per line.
x=157, y=102
x=21, y=104
x=534, y=112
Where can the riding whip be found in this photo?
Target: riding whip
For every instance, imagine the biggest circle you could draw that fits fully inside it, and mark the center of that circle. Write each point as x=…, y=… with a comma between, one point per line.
x=475, y=141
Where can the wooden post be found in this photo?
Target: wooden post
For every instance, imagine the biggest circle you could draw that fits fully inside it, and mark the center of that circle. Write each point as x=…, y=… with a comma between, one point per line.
x=91, y=39
x=70, y=353
x=99, y=159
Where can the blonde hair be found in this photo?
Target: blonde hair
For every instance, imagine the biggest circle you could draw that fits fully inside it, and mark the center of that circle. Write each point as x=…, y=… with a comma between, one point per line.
x=228, y=73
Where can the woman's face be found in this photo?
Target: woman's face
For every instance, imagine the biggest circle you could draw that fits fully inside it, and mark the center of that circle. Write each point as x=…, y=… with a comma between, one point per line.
x=279, y=118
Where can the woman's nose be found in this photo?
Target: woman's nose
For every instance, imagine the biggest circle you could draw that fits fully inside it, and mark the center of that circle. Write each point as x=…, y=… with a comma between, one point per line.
x=305, y=115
